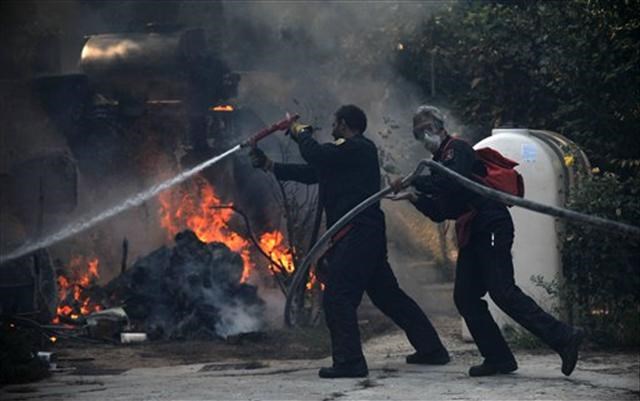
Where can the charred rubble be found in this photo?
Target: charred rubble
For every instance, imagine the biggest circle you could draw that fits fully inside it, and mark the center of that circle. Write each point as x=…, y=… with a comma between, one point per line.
x=190, y=291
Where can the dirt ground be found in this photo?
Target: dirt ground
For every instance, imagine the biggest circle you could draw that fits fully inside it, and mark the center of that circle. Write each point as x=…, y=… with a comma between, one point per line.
x=272, y=344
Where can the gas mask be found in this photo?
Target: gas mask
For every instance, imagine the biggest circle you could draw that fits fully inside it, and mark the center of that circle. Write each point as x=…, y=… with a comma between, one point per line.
x=431, y=140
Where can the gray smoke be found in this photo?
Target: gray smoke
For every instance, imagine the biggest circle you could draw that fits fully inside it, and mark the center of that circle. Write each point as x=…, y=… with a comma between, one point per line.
x=305, y=57
x=312, y=57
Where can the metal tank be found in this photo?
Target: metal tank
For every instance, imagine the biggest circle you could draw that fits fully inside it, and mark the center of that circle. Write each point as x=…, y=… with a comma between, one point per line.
x=551, y=166
x=165, y=67
x=153, y=65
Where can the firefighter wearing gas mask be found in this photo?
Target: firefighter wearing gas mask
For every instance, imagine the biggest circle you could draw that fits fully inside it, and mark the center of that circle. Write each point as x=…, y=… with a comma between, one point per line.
x=347, y=172
x=485, y=236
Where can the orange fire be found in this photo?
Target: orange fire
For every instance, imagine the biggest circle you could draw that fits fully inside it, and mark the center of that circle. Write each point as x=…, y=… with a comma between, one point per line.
x=73, y=302
x=272, y=244
x=313, y=281
x=199, y=210
x=197, y=207
x=223, y=107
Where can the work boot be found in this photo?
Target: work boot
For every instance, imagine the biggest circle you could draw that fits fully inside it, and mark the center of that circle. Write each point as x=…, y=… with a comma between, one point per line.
x=569, y=353
x=439, y=357
x=358, y=369
x=490, y=369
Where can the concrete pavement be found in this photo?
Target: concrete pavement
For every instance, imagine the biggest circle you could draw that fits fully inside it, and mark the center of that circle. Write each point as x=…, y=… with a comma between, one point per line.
x=599, y=376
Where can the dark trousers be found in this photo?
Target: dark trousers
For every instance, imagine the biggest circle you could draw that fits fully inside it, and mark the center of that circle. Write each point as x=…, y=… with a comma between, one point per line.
x=358, y=263
x=485, y=265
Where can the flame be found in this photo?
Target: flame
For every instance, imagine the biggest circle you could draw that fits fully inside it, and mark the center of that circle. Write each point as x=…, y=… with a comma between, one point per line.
x=313, y=281
x=197, y=208
x=273, y=245
x=222, y=107
x=73, y=302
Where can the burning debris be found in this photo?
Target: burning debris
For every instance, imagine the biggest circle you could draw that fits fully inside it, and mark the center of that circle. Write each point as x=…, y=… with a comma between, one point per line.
x=200, y=209
x=196, y=289
x=75, y=287
x=196, y=206
x=193, y=290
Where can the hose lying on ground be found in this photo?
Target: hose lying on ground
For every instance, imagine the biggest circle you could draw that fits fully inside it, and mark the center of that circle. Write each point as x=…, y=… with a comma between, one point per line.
x=300, y=275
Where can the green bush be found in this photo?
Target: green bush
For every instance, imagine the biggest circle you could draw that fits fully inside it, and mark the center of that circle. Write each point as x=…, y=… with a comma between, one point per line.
x=602, y=269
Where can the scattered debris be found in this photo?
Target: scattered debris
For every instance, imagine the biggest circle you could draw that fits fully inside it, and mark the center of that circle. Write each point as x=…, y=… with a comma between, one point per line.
x=108, y=323
x=127, y=338
x=50, y=358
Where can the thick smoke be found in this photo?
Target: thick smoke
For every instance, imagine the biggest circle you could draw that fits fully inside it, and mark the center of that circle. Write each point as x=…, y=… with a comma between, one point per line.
x=314, y=57
x=305, y=57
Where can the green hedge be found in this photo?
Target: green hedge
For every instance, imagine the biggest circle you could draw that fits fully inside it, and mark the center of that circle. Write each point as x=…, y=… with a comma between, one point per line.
x=602, y=269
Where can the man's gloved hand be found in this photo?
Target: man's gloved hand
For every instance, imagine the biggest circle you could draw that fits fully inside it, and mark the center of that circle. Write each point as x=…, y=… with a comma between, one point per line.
x=423, y=184
x=296, y=129
x=260, y=160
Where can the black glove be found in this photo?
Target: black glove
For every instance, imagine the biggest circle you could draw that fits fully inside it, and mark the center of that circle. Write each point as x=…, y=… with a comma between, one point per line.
x=259, y=159
x=423, y=184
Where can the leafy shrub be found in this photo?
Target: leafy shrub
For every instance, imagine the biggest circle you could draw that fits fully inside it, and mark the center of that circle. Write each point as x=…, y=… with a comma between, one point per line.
x=602, y=269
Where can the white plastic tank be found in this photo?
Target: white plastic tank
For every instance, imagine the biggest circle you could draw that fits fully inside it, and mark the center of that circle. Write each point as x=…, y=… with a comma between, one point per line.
x=549, y=164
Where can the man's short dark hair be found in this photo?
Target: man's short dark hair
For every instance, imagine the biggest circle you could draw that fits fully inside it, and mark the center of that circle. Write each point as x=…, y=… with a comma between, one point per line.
x=353, y=116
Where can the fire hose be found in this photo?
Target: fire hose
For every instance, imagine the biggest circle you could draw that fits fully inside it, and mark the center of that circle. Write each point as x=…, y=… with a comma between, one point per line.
x=299, y=278
x=141, y=197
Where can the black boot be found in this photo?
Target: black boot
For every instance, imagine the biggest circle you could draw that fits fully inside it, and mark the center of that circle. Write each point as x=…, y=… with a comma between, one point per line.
x=569, y=353
x=358, y=369
x=490, y=369
x=439, y=357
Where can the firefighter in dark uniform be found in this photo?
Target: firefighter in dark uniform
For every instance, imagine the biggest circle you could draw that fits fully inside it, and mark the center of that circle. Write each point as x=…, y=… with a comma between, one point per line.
x=485, y=235
x=348, y=172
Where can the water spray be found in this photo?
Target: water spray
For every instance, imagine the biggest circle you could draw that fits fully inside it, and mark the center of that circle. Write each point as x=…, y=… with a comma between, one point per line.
x=141, y=197
x=293, y=305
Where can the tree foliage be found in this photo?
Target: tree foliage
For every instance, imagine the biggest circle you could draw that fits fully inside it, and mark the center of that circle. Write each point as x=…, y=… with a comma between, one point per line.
x=572, y=67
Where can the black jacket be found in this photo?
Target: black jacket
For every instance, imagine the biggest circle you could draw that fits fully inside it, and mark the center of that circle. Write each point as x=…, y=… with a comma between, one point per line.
x=442, y=198
x=347, y=172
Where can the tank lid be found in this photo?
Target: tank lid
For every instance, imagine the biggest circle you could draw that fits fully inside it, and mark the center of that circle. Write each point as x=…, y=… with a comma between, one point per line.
x=519, y=131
